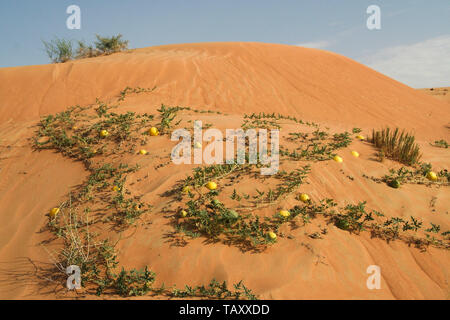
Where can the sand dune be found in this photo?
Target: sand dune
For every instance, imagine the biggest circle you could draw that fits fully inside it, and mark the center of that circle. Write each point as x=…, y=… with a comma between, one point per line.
x=439, y=93
x=235, y=79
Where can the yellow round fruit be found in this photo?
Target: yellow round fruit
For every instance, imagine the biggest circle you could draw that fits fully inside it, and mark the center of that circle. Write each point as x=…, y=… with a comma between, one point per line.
x=183, y=213
x=359, y=137
x=197, y=145
x=284, y=213
x=54, y=212
x=338, y=159
x=104, y=133
x=272, y=235
x=432, y=176
x=211, y=185
x=355, y=154
x=153, y=131
x=143, y=152
x=304, y=197
x=186, y=189
x=234, y=214
x=116, y=188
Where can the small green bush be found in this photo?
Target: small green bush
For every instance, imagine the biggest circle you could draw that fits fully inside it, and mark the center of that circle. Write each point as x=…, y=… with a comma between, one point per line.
x=86, y=51
x=59, y=50
x=110, y=45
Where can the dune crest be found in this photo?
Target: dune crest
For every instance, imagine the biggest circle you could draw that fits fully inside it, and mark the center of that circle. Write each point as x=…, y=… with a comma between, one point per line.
x=232, y=77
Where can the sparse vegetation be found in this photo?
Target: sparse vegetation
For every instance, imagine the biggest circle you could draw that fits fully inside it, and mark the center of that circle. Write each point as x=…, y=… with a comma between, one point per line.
x=108, y=45
x=76, y=133
x=59, y=50
x=215, y=290
x=418, y=175
x=397, y=146
x=98, y=133
x=85, y=51
x=319, y=147
x=62, y=50
x=98, y=260
x=440, y=144
x=167, y=115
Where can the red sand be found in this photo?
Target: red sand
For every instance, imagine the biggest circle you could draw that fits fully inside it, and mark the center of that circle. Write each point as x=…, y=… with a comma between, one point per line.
x=234, y=78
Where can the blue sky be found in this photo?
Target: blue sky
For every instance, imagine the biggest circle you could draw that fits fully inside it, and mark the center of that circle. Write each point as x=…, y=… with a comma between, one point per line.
x=413, y=45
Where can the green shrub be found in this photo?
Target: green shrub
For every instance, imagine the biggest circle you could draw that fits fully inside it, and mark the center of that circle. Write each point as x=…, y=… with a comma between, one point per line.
x=59, y=50
x=86, y=51
x=110, y=45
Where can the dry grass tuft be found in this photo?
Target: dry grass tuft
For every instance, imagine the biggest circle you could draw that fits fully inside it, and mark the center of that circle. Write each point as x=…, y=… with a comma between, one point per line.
x=397, y=146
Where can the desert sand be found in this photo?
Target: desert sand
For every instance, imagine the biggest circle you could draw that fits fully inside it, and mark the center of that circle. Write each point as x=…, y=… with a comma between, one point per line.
x=439, y=93
x=235, y=79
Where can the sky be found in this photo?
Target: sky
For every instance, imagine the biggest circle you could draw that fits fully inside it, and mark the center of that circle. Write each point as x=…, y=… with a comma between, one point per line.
x=412, y=46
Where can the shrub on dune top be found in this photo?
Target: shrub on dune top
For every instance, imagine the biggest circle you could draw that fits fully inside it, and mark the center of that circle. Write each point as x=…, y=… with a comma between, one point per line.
x=86, y=51
x=61, y=50
x=110, y=45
